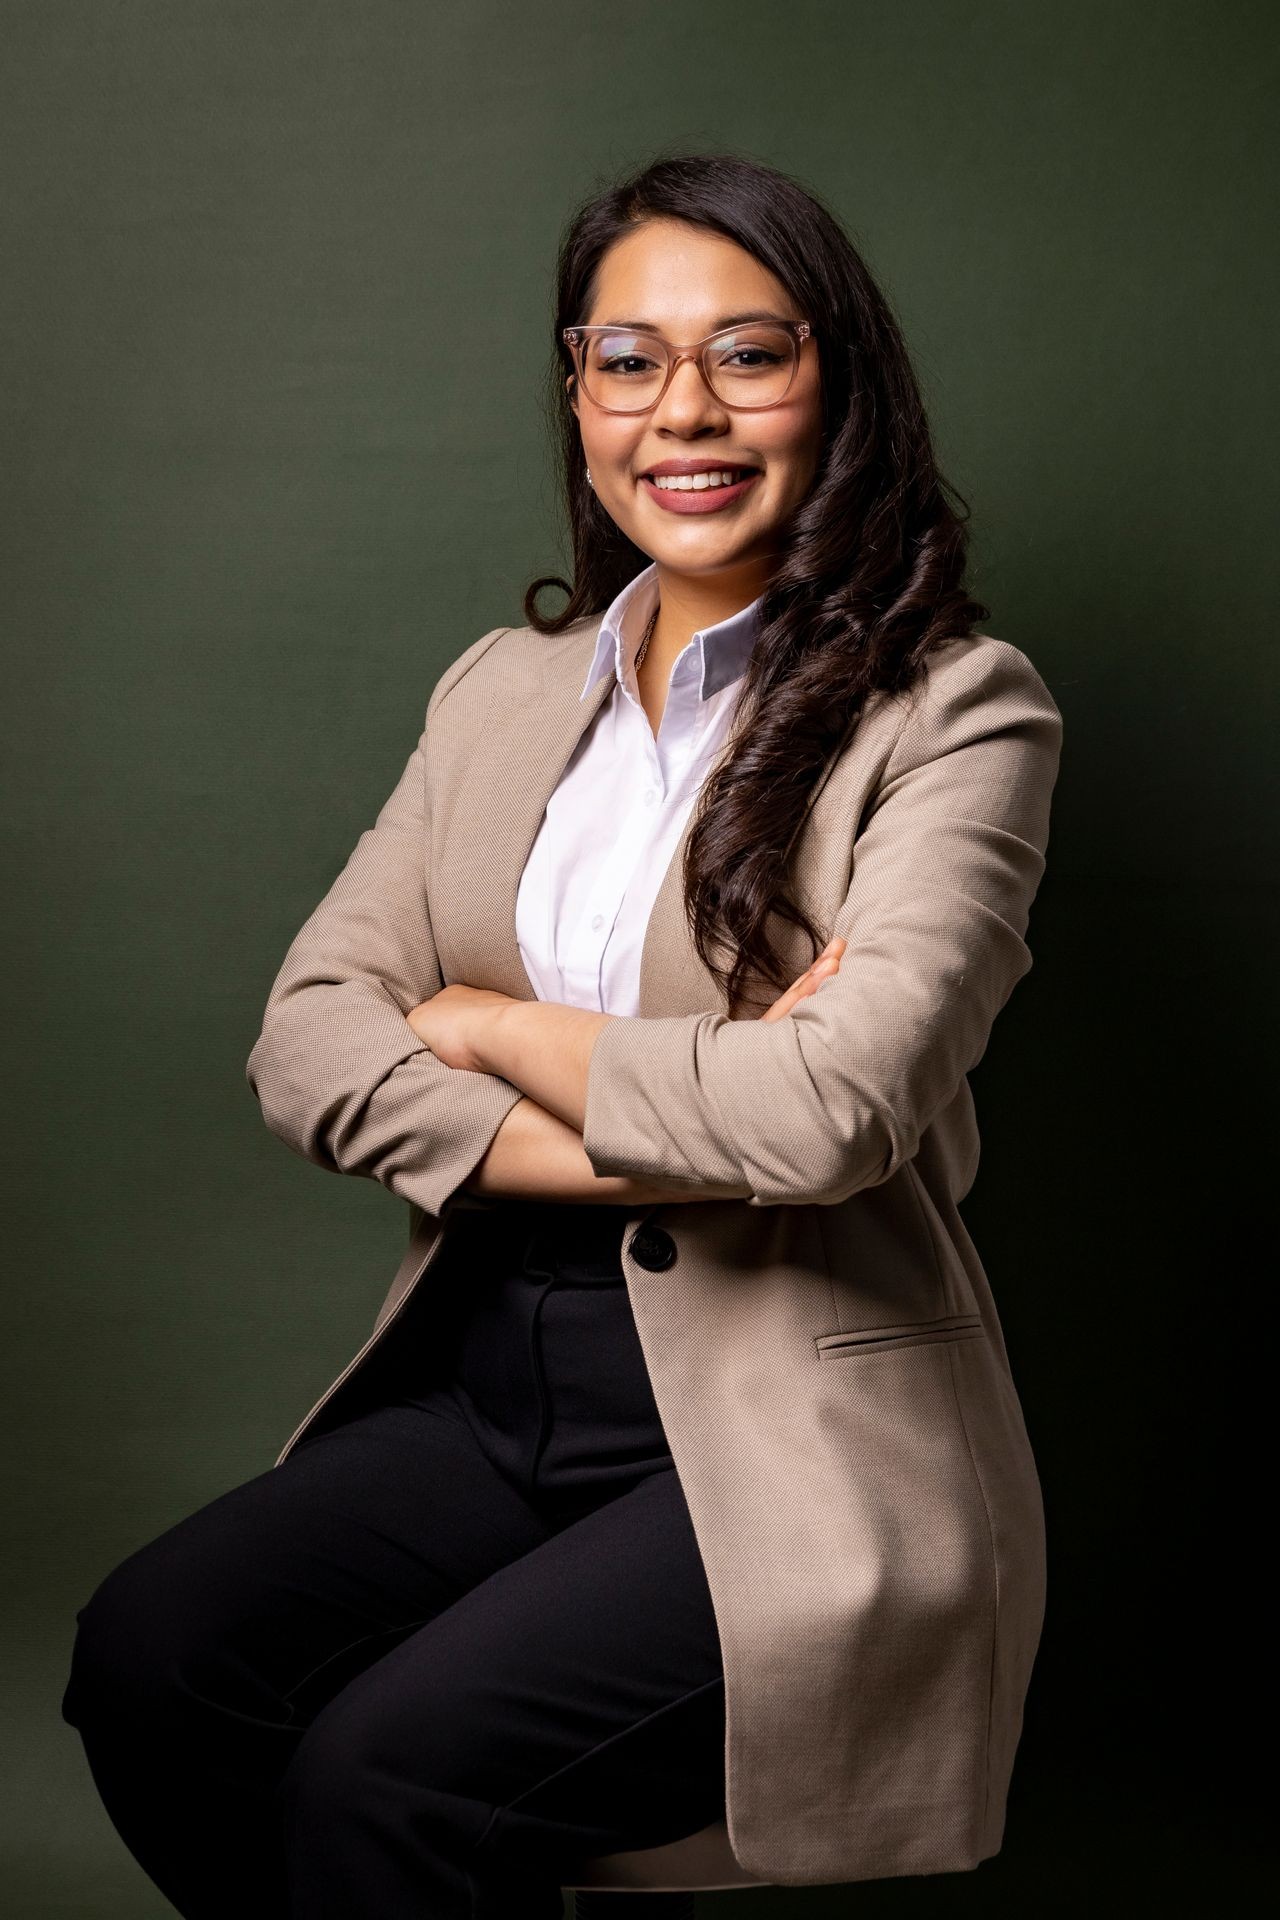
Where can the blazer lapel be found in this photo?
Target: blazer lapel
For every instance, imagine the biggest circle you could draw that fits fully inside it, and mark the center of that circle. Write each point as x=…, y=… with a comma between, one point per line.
x=539, y=742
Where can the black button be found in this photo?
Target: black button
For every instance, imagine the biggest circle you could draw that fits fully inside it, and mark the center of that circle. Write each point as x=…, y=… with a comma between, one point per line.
x=653, y=1247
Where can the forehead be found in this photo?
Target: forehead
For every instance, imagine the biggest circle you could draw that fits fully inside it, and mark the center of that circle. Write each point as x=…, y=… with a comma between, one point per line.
x=683, y=280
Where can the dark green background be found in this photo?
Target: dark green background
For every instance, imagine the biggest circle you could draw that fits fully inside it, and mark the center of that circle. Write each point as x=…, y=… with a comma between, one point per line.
x=275, y=309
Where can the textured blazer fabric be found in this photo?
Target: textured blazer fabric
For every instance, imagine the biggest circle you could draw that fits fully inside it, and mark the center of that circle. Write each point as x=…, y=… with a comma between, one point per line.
x=825, y=1350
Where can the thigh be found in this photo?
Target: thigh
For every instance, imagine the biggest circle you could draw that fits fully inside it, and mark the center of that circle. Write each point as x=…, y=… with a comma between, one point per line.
x=570, y=1703
x=269, y=1597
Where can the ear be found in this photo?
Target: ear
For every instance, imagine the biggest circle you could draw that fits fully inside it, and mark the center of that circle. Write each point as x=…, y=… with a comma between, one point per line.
x=571, y=388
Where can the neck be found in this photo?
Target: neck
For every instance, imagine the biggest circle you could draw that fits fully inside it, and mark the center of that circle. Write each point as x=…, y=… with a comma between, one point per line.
x=689, y=602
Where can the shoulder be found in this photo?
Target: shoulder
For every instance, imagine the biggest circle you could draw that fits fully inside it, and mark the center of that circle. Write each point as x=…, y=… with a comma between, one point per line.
x=971, y=686
x=505, y=664
x=977, y=666
x=458, y=669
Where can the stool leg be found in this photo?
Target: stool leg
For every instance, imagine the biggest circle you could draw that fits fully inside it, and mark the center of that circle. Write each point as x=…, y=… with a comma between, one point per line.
x=594, y=1903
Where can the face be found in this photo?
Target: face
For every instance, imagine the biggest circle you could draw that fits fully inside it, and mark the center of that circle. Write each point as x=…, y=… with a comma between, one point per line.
x=685, y=283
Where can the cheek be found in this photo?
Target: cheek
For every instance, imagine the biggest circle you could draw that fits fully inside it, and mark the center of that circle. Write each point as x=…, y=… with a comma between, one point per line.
x=792, y=455
x=789, y=437
x=796, y=438
x=609, y=442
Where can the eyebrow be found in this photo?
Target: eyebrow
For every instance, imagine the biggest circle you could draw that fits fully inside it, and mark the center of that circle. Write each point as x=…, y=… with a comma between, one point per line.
x=717, y=326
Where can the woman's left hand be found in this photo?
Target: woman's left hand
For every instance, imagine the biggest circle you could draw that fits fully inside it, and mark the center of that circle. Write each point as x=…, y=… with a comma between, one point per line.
x=451, y=1022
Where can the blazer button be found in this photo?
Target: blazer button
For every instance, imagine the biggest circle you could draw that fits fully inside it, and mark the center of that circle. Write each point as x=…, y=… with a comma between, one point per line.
x=653, y=1247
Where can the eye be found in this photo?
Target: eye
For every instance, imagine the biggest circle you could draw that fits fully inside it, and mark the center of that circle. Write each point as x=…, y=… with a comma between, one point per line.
x=623, y=355
x=625, y=363
x=749, y=358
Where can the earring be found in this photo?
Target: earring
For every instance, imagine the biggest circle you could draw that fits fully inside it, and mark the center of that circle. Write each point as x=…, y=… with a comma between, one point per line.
x=589, y=479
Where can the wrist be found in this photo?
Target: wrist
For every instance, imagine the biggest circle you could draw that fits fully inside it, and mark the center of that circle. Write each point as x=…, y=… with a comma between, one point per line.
x=492, y=1027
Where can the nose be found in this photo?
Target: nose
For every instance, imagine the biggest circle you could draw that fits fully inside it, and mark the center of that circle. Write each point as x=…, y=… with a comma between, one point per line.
x=688, y=406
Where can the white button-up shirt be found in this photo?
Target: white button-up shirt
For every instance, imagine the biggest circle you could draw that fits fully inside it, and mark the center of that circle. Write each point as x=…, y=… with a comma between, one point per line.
x=614, y=821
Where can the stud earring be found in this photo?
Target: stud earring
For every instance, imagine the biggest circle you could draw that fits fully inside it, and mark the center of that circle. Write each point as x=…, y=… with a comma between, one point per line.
x=590, y=482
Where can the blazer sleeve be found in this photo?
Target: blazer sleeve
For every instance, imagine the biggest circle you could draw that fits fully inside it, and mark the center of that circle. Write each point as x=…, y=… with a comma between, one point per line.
x=835, y=1096
x=340, y=1075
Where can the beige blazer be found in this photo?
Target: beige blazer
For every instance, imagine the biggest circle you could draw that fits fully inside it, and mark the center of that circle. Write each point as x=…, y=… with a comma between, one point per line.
x=824, y=1349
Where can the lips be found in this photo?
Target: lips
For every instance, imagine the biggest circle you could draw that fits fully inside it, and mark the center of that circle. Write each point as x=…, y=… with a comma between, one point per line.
x=700, y=499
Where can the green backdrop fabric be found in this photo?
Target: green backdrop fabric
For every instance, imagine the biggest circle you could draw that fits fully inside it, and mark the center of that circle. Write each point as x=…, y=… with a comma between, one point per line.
x=275, y=315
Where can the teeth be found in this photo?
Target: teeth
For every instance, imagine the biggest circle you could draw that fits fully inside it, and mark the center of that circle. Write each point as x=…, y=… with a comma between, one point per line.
x=696, y=482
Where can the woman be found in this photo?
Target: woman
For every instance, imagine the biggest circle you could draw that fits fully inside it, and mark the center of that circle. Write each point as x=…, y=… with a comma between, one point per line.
x=682, y=1478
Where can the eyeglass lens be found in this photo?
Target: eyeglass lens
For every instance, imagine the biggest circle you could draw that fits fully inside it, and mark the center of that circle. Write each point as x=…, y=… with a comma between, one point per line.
x=751, y=366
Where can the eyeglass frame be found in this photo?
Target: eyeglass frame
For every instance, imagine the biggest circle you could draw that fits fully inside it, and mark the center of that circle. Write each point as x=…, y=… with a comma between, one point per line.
x=695, y=350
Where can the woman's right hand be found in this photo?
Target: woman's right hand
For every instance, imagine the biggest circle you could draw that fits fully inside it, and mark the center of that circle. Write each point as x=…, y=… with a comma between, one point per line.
x=827, y=963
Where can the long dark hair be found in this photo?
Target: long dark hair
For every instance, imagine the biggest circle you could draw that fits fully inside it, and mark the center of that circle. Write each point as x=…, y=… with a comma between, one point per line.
x=872, y=560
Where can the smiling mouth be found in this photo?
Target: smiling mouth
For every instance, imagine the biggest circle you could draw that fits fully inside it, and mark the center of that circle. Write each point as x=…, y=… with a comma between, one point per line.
x=698, y=482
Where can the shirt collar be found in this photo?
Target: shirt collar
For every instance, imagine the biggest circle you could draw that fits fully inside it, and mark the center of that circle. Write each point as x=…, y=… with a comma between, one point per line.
x=723, y=650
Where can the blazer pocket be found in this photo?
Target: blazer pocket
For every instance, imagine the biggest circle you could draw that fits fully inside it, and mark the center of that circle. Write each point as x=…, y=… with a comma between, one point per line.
x=913, y=1333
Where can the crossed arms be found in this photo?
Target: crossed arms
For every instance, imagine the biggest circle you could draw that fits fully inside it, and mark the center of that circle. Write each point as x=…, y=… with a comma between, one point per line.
x=829, y=1092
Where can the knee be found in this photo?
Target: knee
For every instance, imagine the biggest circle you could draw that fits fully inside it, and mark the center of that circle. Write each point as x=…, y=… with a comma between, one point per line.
x=373, y=1743
x=331, y=1770
x=124, y=1653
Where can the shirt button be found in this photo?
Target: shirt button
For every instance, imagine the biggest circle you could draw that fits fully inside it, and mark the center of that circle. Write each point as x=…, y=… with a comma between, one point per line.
x=651, y=795
x=597, y=919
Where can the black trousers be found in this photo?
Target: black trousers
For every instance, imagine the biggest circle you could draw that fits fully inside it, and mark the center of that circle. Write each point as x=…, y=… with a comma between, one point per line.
x=442, y=1650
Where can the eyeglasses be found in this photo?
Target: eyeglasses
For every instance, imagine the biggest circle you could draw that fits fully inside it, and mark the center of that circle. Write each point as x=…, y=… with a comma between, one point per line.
x=745, y=368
